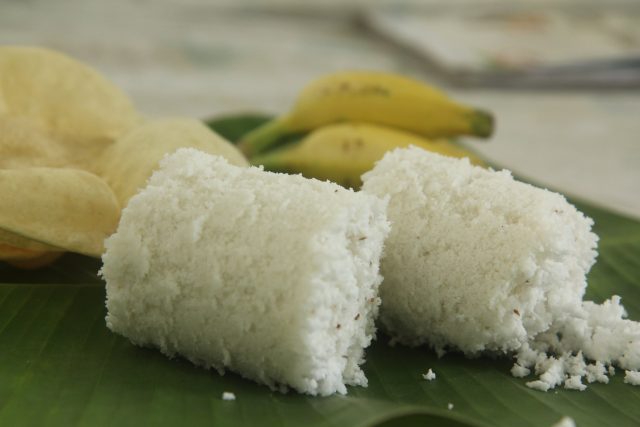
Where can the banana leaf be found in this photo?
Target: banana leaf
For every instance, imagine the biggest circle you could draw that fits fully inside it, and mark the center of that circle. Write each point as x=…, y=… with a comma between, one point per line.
x=61, y=366
x=233, y=127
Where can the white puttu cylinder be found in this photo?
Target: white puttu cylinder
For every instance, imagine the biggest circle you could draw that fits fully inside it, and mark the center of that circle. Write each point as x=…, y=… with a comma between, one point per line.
x=272, y=276
x=475, y=260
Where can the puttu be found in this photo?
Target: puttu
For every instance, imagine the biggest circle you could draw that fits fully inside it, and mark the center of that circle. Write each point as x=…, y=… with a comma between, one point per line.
x=272, y=276
x=476, y=261
x=480, y=263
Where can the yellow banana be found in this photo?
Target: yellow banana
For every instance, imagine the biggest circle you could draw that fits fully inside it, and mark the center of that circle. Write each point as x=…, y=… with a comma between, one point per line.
x=373, y=97
x=343, y=152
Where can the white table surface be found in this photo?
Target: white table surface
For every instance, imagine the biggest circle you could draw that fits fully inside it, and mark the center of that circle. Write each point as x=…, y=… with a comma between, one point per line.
x=198, y=59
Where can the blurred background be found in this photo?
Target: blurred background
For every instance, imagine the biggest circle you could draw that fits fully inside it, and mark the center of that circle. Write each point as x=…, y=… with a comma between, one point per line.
x=562, y=77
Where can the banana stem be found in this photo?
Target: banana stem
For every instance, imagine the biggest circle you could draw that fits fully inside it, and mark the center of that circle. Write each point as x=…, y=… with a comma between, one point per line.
x=482, y=123
x=265, y=136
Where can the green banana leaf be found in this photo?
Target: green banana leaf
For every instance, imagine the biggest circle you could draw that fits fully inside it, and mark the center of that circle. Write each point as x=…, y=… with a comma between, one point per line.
x=233, y=127
x=61, y=366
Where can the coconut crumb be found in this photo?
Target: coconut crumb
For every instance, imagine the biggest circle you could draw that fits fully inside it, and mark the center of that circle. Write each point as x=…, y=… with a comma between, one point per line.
x=575, y=365
x=538, y=385
x=551, y=371
x=430, y=375
x=574, y=382
x=450, y=406
x=519, y=371
x=632, y=377
x=565, y=422
x=597, y=373
x=598, y=333
x=227, y=395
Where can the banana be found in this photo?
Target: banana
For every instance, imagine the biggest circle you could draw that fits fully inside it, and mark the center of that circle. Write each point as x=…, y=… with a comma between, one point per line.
x=373, y=97
x=343, y=152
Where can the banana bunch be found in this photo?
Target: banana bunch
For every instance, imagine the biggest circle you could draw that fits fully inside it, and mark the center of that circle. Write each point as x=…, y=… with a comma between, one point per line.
x=353, y=118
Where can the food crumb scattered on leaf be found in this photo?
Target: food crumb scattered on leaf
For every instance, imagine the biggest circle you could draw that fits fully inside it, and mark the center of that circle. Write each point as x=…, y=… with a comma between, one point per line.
x=430, y=375
x=227, y=395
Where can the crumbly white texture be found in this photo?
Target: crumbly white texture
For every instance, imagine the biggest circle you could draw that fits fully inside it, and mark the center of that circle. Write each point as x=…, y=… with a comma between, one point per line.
x=273, y=276
x=632, y=377
x=590, y=332
x=475, y=260
x=597, y=373
x=574, y=382
x=227, y=395
x=565, y=422
x=519, y=371
x=430, y=375
x=479, y=262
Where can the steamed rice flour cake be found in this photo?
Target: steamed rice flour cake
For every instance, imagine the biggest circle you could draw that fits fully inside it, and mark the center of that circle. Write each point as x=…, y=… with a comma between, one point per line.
x=475, y=260
x=481, y=263
x=272, y=276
